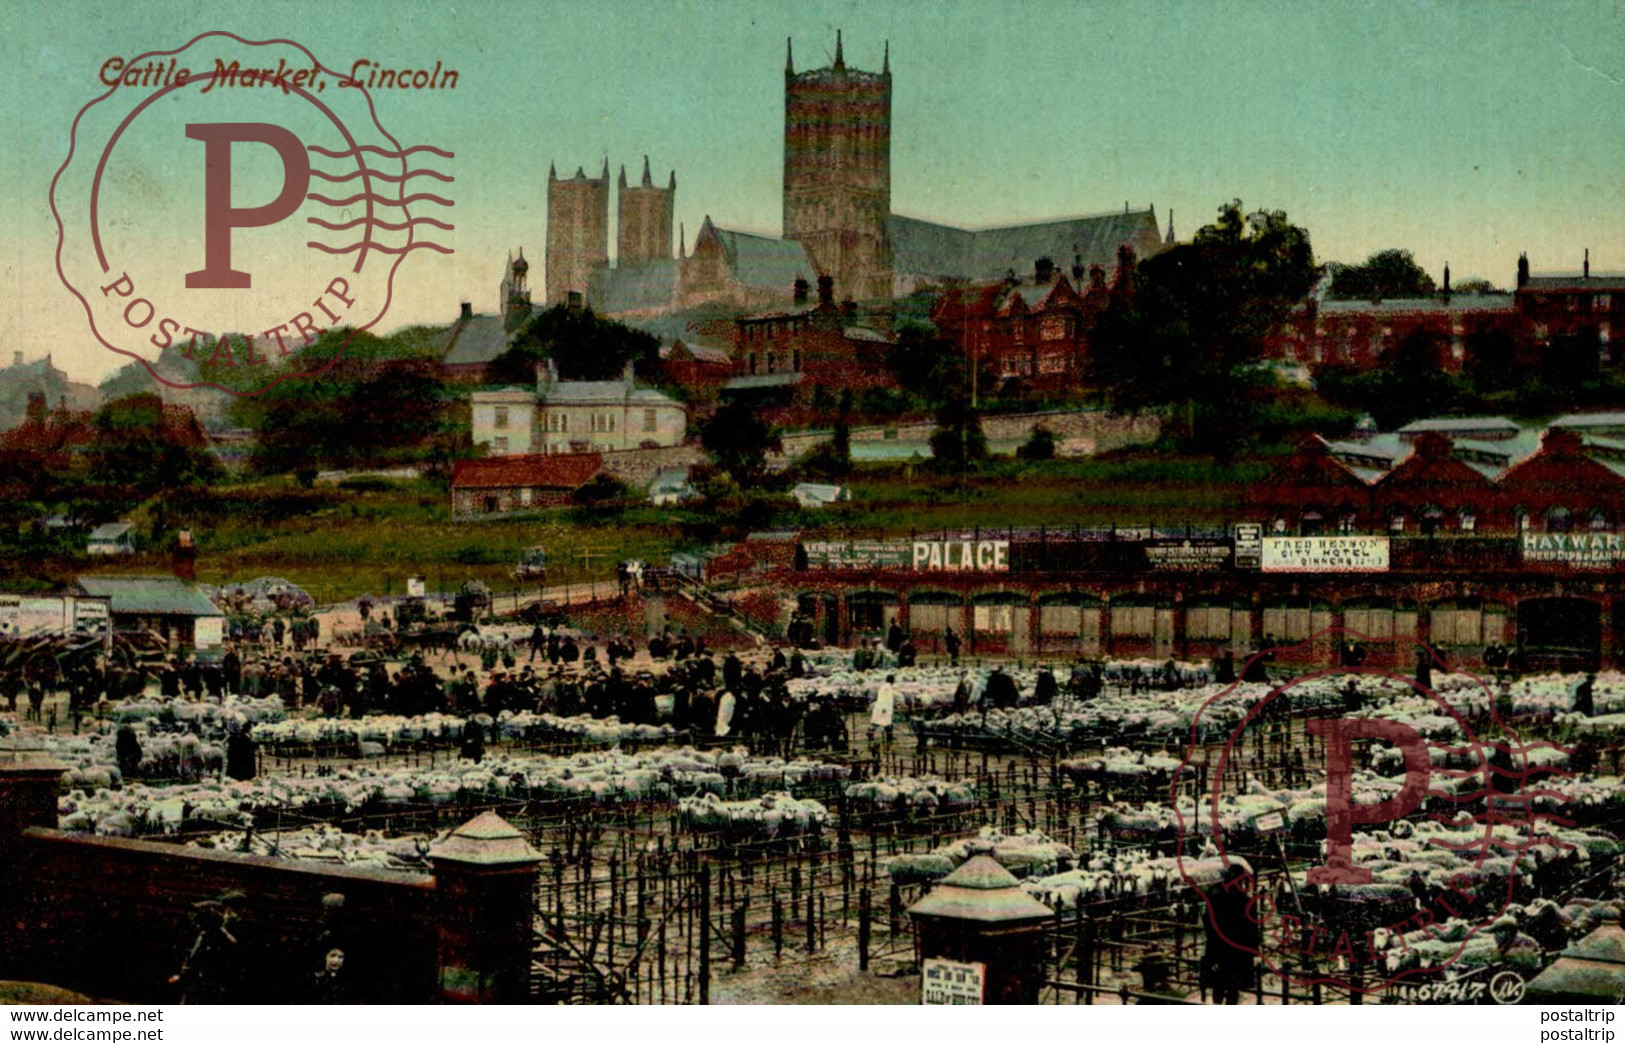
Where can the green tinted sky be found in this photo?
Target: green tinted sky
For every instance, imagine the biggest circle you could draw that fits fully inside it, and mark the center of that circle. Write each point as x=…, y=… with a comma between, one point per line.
x=1463, y=131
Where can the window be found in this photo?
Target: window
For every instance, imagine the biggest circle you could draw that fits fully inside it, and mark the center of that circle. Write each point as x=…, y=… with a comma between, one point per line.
x=1133, y=620
x=501, y=420
x=499, y=446
x=558, y=423
x=1457, y=625
x=1599, y=521
x=1208, y=622
x=1468, y=520
x=1558, y=519
x=1603, y=302
x=995, y=619
x=1060, y=619
x=649, y=420
x=1396, y=522
x=1345, y=524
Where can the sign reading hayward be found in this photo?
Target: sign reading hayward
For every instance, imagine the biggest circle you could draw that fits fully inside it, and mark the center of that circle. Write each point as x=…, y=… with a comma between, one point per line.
x=1325, y=554
x=1585, y=549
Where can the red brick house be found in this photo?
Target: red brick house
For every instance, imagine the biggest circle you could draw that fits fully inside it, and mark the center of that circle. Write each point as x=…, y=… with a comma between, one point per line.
x=1552, y=306
x=496, y=485
x=1564, y=488
x=1035, y=331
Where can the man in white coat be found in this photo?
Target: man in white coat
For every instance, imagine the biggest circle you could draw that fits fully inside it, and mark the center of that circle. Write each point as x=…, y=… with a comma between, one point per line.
x=885, y=706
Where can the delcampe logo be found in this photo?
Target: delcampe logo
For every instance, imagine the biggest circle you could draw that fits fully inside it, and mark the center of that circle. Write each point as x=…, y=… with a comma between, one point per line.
x=216, y=224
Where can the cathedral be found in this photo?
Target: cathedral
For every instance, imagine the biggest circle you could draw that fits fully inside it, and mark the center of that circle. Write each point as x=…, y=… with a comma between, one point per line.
x=837, y=222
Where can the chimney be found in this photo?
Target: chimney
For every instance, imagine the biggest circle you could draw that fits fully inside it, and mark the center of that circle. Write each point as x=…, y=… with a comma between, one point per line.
x=1585, y=273
x=546, y=377
x=1447, y=278
x=1077, y=269
x=183, y=558
x=1043, y=271
x=36, y=407
x=826, y=291
x=801, y=289
x=628, y=374
x=468, y=311
x=1523, y=270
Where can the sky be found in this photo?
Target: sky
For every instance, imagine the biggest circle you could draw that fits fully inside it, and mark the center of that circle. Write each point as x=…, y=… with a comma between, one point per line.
x=1466, y=132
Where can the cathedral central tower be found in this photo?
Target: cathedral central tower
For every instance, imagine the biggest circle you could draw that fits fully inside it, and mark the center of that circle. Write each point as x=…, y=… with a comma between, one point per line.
x=837, y=172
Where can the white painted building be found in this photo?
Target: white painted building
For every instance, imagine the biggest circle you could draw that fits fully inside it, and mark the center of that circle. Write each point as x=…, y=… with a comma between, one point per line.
x=576, y=416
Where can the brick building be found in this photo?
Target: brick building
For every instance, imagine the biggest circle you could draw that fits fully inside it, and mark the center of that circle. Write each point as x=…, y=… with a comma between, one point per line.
x=508, y=483
x=1551, y=306
x=1034, y=330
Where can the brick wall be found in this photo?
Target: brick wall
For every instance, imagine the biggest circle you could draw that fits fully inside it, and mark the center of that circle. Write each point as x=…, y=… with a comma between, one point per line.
x=1102, y=431
x=112, y=918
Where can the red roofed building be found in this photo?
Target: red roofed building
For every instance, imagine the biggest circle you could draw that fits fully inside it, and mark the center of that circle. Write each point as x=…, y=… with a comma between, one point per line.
x=1036, y=331
x=509, y=483
x=1312, y=493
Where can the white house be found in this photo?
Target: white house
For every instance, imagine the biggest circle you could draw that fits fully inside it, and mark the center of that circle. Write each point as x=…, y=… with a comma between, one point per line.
x=111, y=538
x=576, y=416
x=816, y=494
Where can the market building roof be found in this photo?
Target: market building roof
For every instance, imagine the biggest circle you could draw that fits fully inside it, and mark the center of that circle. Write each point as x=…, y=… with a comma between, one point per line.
x=149, y=596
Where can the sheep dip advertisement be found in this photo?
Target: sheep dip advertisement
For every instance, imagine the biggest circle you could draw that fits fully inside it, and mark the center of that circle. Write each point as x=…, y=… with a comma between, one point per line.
x=1058, y=505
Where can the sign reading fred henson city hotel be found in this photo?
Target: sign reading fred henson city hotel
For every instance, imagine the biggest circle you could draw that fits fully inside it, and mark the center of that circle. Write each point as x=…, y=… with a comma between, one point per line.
x=1325, y=554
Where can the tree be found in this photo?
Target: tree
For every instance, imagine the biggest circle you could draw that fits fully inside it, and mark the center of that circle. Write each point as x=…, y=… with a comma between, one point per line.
x=1571, y=360
x=1385, y=274
x=581, y=345
x=1183, y=327
x=931, y=366
x=1476, y=285
x=1491, y=359
x=958, y=442
x=1040, y=445
x=142, y=449
x=738, y=441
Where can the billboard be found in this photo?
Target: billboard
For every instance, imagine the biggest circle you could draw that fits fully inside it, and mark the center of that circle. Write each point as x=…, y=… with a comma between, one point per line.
x=856, y=554
x=1594, y=550
x=1325, y=554
x=962, y=555
x=1187, y=555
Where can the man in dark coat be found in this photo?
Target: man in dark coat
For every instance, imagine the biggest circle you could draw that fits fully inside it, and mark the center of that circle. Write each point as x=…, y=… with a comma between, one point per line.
x=473, y=747
x=950, y=641
x=240, y=760
x=127, y=747
x=733, y=672
x=1226, y=965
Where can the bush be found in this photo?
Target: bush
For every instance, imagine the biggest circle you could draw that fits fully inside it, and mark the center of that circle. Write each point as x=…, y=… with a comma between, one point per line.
x=1040, y=446
x=604, y=488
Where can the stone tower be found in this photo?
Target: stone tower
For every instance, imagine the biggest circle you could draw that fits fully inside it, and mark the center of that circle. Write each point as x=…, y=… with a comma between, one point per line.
x=837, y=172
x=577, y=231
x=643, y=219
x=515, y=294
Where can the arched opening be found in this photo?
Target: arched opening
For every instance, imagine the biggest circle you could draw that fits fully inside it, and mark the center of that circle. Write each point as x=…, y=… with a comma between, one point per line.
x=1558, y=519
x=870, y=613
x=1069, y=622
x=930, y=614
x=1560, y=633
x=1001, y=621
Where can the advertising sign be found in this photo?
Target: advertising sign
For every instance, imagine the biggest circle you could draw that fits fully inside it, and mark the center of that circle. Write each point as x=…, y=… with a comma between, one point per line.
x=1594, y=550
x=1249, y=545
x=949, y=983
x=1187, y=555
x=1325, y=554
x=856, y=554
x=962, y=555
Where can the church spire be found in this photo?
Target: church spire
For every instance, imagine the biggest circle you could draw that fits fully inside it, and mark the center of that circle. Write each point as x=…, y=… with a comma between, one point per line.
x=605, y=175
x=646, y=181
x=840, y=58
x=552, y=171
x=789, y=58
x=623, y=175
x=1170, y=240
x=885, y=60
x=682, y=240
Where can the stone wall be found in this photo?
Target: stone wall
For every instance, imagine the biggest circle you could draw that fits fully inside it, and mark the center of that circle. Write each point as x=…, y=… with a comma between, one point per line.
x=637, y=467
x=1084, y=432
